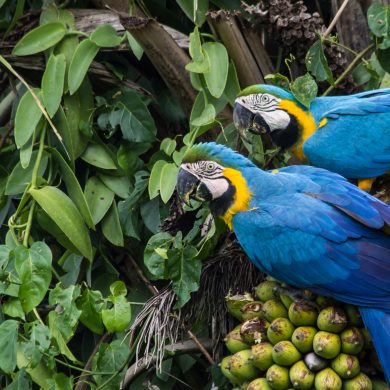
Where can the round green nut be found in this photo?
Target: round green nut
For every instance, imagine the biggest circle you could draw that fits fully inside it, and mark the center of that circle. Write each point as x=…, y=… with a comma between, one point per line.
x=359, y=382
x=240, y=365
x=303, y=337
x=251, y=310
x=259, y=384
x=254, y=330
x=327, y=379
x=284, y=353
x=286, y=300
x=234, y=303
x=352, y=341
x=302, y=313
x=346, y=366
x=267, y=290
x=368, y=344
x=353, y=315
x=301, y=377
x=262, y=355
x=224, y=366
x=280, y=329
x=323, y=302
x=273, y=309
x=278, y=378
x=326, y=345
x=377, y=384
x=314, y=362
x=234, y=342
x=332, y=319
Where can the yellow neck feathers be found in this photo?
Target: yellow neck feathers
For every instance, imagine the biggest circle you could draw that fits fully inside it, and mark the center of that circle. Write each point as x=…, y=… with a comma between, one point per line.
x=242, y=195
x=306, y=121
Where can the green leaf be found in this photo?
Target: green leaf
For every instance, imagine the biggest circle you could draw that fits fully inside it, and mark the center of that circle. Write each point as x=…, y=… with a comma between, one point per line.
x=232, y=88
x=118, y=317
x=61, y=382
x=317, y=64
x=74, y=189
x=27, y=117
x=81, y=60
x=99, y=198
x=90, y=303
x=150, y=214
x=13, y=308
x=195, y=48
x=195, y=9
x=105, y=36
x=168, y=181
x=168, y=145
x=154, y=179
x=8, y=345
x=98, y=156
x=219, y=66
x=53, y=83
x=135, y=46
x=304, y=89
x=155, y=254
x=118, y=288
x=378, y=18
x=206, y=117
x=120, y=185
x=20, y=381
x=111, y=226
x=40, y=39
x=65, y=214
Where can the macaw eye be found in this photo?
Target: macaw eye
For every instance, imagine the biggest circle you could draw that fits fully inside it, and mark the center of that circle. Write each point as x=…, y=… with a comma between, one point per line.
x=265, y=99
x=210, y=167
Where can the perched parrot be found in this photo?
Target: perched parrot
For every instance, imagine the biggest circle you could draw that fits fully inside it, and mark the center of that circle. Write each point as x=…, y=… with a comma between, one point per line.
x=349, y=135
x=303, y=225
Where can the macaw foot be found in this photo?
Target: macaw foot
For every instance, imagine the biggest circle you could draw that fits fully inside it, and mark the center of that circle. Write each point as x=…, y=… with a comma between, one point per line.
x=366, y=184
x=296, y=295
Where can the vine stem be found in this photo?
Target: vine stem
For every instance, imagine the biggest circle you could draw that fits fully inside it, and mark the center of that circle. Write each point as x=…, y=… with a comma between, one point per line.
x=336, y=18
x=348, y=69
x=29, y=224
x=39, y=157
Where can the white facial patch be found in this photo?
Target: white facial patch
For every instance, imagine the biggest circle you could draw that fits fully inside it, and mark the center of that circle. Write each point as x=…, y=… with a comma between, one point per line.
x=277, y=119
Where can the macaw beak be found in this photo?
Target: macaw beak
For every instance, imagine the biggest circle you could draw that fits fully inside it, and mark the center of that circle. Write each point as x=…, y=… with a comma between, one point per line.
x=186, y=186
x=245, y=120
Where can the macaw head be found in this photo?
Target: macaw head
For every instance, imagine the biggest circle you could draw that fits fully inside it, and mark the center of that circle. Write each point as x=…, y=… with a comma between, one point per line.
x=269, y=109
x=213, y=173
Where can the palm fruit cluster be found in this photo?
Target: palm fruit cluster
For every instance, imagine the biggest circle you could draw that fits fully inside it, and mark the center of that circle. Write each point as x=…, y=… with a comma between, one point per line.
x=308, y=343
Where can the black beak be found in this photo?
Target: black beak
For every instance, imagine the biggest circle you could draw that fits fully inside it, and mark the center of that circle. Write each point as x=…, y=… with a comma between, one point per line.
x=245, y=120
x=186, y=185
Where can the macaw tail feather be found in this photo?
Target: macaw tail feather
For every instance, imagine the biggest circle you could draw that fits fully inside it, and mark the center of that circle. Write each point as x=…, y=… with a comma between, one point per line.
x=378, y=324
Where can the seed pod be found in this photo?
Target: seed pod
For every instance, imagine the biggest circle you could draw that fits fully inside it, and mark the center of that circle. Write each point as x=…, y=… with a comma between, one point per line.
x=286, y=300
x=352, y=341
x=303, y=337
x=332, y=319
x=368, y=344
x=280, y=329
x=323, y=302
x=302, y=313
x=241, y=366
x=326, y=345
x=353, y=315
x=234, y=304
x=284, y=353
x=301, y=377
x=359, y=382
x=273, y=309
x=251, y=310
x=278, y=378
x=315, y=362
x=234, y=342
x=327, y=379
x=224, y=365
x=254, y=330
x=259, y=384
x=346, y=366
x=267, y=290
x=379, y=385
x=262, y=355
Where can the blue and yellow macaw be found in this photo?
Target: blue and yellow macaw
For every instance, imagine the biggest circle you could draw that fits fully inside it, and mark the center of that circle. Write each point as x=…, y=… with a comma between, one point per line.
x=303, y=225
x=349, y=135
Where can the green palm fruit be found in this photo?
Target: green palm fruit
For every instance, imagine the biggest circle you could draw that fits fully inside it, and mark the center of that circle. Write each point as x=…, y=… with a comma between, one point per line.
x=286, y=300
x=323, y=302
x=262, y=355
x=352, y=341
x=359, y=382
x=315, y=362
x=367, y=338
x=379, y=385
x=284, y=353
x=278, y=378
x=353, y=315
x=332, y=319
x=259, y=384
x=267, y=290
x=234, y=342
x=302, y=313
x=280, y=329
x=224, y=366
x=240, y=365
x=303, y=337
x=251, y=310
x=254, y=330
x=346, y=366
x=326, y=345
x=327, y=379
x=234, y=304
x=273, y=309
x=301, y=377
